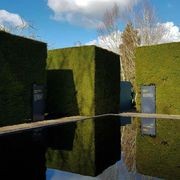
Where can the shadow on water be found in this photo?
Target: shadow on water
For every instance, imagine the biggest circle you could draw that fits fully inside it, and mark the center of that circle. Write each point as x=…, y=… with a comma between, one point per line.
x=22, y=156
x=61, y=137
x=107, y=142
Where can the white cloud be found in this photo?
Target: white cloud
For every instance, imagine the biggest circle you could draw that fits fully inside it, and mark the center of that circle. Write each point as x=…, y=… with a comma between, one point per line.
x=86, y=13
x=110, y=42
x=93, y=42
x=173, y=33
x=8, y=19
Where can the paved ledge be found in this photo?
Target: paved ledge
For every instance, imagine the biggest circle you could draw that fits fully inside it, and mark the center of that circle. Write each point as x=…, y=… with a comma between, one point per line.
x=55, y=122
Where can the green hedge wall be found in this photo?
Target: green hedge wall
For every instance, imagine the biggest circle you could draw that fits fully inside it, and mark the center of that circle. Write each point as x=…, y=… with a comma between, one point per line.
x=160, y=65
x=80, y=61
x=22, y=63
x=92, y=88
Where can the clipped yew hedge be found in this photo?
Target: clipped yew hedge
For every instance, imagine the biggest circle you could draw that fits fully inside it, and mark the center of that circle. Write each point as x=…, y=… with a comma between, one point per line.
x=160, y=65
x=22, y=63
x=85, y=81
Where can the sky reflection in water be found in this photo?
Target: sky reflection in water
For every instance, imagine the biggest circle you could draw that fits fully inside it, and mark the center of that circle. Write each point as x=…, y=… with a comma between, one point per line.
x=118, y=171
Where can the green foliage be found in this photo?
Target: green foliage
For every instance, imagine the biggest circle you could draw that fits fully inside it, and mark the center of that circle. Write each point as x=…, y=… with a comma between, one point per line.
x=159, y=65
x=81, y=159
x=93, y=88
x=80, y=61
x=22, y=63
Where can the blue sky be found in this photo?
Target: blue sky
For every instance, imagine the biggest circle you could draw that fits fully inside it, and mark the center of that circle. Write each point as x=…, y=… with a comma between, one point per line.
x=62, y=23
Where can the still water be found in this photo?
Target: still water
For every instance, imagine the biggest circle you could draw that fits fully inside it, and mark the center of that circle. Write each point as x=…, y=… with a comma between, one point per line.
x=118, y=171
x=24, y=155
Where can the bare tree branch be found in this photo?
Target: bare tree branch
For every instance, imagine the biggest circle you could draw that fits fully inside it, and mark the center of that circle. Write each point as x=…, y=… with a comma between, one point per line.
x=25, y=29
x=108, y=30
x=147, y=23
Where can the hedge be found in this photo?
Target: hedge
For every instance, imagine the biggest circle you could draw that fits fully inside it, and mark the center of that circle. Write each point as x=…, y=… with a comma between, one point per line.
x=85, y=81
x=160, y=65
x=22, y=63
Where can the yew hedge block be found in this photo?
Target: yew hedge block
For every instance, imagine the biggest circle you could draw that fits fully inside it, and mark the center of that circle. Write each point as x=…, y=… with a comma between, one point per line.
x=22, y=63
x=85, y=81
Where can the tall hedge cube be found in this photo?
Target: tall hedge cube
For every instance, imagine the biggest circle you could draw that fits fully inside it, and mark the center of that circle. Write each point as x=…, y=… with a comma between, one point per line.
x=160, y=65
x=85, y=81
x=22, y=63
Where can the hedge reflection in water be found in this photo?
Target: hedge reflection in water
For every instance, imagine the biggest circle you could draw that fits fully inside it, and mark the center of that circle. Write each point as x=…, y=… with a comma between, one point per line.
x=22, y=156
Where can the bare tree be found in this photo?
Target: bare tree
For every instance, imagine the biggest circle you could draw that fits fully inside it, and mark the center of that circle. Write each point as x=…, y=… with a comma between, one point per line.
x=130, y=41
x=144, y=19
x=78, y=43
x=143, y=28
x=108, y=30
x=18, y=29
x=147, y=23
x=25, y=29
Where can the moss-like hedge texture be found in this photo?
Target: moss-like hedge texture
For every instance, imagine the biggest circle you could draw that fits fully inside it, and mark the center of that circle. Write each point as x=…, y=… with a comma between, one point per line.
x=85, y=81
x=22, y=63
x=160, y=65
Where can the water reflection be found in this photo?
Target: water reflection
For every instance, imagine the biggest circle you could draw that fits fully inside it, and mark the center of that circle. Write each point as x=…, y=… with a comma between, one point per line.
x=118, y=171
x=93, y=145
x=159, y=155
x=22, y=155
x=52, y=174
